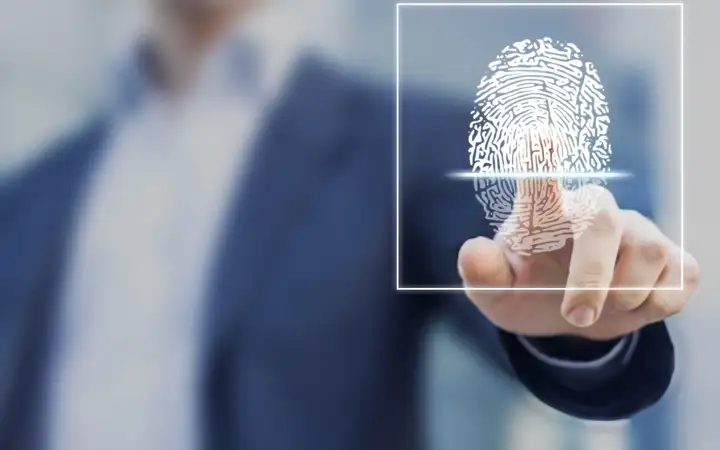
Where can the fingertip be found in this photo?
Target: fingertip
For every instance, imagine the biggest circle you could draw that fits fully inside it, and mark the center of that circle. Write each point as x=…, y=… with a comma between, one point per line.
x=580, y=309
x=581, y=316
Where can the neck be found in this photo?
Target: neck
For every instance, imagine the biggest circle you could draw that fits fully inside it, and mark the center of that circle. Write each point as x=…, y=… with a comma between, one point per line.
x=182, y=37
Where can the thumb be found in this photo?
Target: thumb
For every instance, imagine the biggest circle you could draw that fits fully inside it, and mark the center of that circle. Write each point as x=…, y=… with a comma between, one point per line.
x=483, y=264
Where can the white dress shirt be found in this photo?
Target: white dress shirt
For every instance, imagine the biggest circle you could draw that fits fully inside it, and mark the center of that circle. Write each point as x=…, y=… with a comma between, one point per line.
x=125, y=374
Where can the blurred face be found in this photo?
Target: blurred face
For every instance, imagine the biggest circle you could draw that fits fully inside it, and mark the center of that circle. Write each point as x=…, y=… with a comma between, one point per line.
x=183, y=29
x=199, y=21
x=203, y=7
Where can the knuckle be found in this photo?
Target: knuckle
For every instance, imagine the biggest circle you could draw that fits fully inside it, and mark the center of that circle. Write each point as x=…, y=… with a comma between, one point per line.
x=667, y=306
x=653, y=251
x=691, y=271
x=633, y=216
x=591, y=276
x=628, y=301
x=675, y=308
x=606, y=199
x=607, y=220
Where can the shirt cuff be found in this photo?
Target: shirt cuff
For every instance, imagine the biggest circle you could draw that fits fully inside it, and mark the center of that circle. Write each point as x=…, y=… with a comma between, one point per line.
x=623, y=350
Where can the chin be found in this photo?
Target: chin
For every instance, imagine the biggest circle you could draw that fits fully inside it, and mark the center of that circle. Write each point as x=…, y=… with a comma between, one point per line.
x=203, y=6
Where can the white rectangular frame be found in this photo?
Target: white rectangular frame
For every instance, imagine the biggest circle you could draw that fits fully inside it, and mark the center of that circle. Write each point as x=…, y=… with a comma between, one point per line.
x=400, y=5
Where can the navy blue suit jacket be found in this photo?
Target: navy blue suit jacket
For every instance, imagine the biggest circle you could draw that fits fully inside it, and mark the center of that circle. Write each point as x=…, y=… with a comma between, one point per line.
x=308, y=344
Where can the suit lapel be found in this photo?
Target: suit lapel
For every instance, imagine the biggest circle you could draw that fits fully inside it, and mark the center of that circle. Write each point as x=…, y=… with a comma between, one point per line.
x=290, y=162
x=39, y=244
x=293, y=157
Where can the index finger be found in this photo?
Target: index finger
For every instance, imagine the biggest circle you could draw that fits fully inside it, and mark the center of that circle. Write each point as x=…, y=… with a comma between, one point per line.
x=592, y=263
x=539, y=187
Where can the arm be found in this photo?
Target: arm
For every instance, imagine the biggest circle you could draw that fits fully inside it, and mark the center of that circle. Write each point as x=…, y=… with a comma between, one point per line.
x=603, y=380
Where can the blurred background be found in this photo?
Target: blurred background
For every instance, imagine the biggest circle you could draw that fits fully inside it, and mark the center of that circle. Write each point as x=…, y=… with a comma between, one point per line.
x=55, y=57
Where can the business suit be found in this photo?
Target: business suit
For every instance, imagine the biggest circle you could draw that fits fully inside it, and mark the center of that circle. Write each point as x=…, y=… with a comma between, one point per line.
x=308, y=345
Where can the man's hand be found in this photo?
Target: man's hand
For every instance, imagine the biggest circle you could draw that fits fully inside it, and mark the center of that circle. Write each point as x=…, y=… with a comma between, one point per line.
x=621, y=271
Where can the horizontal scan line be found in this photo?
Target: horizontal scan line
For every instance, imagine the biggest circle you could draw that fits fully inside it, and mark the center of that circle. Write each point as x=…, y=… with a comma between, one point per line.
x=531, y=175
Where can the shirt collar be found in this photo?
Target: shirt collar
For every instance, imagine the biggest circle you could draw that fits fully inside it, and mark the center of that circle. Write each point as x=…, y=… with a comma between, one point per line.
x=252, y=62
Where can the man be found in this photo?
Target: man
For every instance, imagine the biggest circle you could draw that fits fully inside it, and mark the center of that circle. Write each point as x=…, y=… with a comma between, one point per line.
x=209, y=264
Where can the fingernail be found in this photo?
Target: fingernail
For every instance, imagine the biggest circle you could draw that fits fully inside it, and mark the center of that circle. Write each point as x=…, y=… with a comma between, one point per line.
x=581, y=316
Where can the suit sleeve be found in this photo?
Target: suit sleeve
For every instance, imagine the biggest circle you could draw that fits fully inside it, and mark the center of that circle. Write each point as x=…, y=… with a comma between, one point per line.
x=590, y=380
